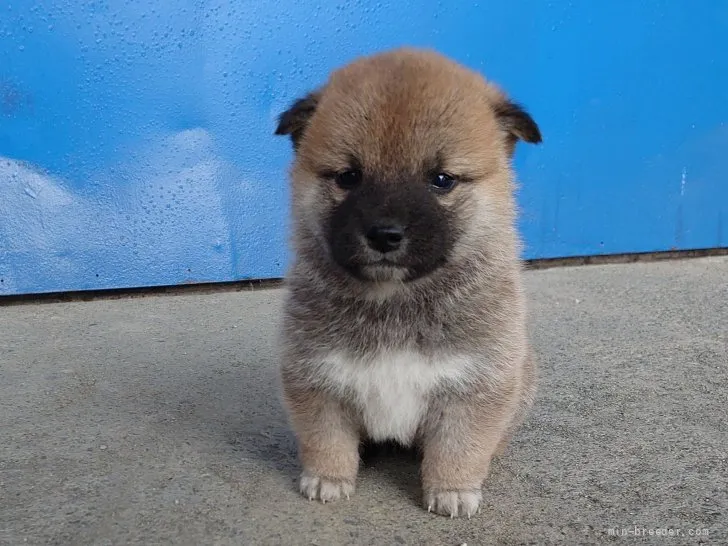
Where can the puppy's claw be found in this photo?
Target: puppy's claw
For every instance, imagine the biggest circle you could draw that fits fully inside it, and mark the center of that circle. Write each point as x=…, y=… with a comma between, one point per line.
x=454, y=503
x=323, y=489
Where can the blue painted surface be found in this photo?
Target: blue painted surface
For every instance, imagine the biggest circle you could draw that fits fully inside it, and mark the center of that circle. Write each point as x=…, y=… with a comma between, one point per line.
x=136, y=143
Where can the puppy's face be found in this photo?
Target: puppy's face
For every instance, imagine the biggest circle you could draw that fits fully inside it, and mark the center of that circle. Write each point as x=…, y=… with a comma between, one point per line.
x=402, y=163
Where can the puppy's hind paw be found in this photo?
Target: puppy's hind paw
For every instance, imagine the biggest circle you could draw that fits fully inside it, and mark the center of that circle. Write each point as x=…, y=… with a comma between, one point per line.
x=454, y=503
x=325, y=489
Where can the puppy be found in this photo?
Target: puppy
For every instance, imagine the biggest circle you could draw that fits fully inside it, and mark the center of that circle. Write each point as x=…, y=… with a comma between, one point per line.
x=405, y=317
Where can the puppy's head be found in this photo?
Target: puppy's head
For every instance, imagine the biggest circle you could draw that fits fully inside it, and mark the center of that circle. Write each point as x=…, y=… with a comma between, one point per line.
x=403, y=165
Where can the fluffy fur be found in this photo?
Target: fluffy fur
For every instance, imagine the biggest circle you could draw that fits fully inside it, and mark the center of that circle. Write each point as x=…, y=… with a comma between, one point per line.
x=425, y=344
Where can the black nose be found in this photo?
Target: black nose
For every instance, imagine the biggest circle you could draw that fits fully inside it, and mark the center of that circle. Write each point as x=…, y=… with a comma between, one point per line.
x=385, y=238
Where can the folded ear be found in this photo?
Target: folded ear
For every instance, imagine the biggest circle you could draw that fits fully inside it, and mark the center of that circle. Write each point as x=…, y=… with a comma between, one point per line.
x=517, y=123
x=294, y=121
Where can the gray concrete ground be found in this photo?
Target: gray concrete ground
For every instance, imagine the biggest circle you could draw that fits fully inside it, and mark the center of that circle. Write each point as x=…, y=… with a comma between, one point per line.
x=156, y=421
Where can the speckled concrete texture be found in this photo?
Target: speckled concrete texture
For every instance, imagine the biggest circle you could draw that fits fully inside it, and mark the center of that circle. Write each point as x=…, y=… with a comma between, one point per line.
x=157, y=421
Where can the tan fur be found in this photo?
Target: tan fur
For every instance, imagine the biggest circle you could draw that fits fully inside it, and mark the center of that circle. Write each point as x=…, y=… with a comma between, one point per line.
x=328, y=440
x=396, y=110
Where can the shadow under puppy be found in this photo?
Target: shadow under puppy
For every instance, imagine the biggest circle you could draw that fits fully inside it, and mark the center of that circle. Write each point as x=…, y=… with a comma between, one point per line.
x=405, y=317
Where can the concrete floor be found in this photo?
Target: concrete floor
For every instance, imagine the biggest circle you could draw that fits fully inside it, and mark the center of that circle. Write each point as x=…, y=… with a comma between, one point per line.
x=156, y=421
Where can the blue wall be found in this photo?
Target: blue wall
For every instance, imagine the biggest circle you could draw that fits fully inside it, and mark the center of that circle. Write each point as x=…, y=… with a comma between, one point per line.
x=136, y=143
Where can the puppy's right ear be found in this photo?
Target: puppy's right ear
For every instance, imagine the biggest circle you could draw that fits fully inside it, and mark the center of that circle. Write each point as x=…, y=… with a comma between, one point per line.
x=294, y=121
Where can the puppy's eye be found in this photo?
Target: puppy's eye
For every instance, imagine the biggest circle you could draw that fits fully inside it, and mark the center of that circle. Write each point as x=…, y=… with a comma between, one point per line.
x=443, y=183
x=348, y=179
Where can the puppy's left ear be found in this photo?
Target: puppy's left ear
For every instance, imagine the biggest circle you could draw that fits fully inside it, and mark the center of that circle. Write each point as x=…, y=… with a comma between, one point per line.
x=517, y=123
x=294, y=121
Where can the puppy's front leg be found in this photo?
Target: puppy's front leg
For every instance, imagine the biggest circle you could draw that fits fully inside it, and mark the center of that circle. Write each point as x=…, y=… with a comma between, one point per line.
x=460, y=438
x=328, y=443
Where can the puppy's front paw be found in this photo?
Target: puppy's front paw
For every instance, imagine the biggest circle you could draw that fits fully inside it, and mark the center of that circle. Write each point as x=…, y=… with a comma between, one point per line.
x=454, y=503
x=325, y=489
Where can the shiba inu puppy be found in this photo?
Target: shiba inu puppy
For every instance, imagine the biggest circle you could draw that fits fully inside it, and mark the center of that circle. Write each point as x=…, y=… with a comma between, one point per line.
x=405, y=317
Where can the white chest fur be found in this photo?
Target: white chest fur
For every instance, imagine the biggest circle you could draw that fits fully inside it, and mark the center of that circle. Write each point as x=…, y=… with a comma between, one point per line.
x=391, y=390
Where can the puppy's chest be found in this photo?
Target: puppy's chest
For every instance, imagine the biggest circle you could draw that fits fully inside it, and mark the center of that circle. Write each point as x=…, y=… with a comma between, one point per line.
x=392, y=390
